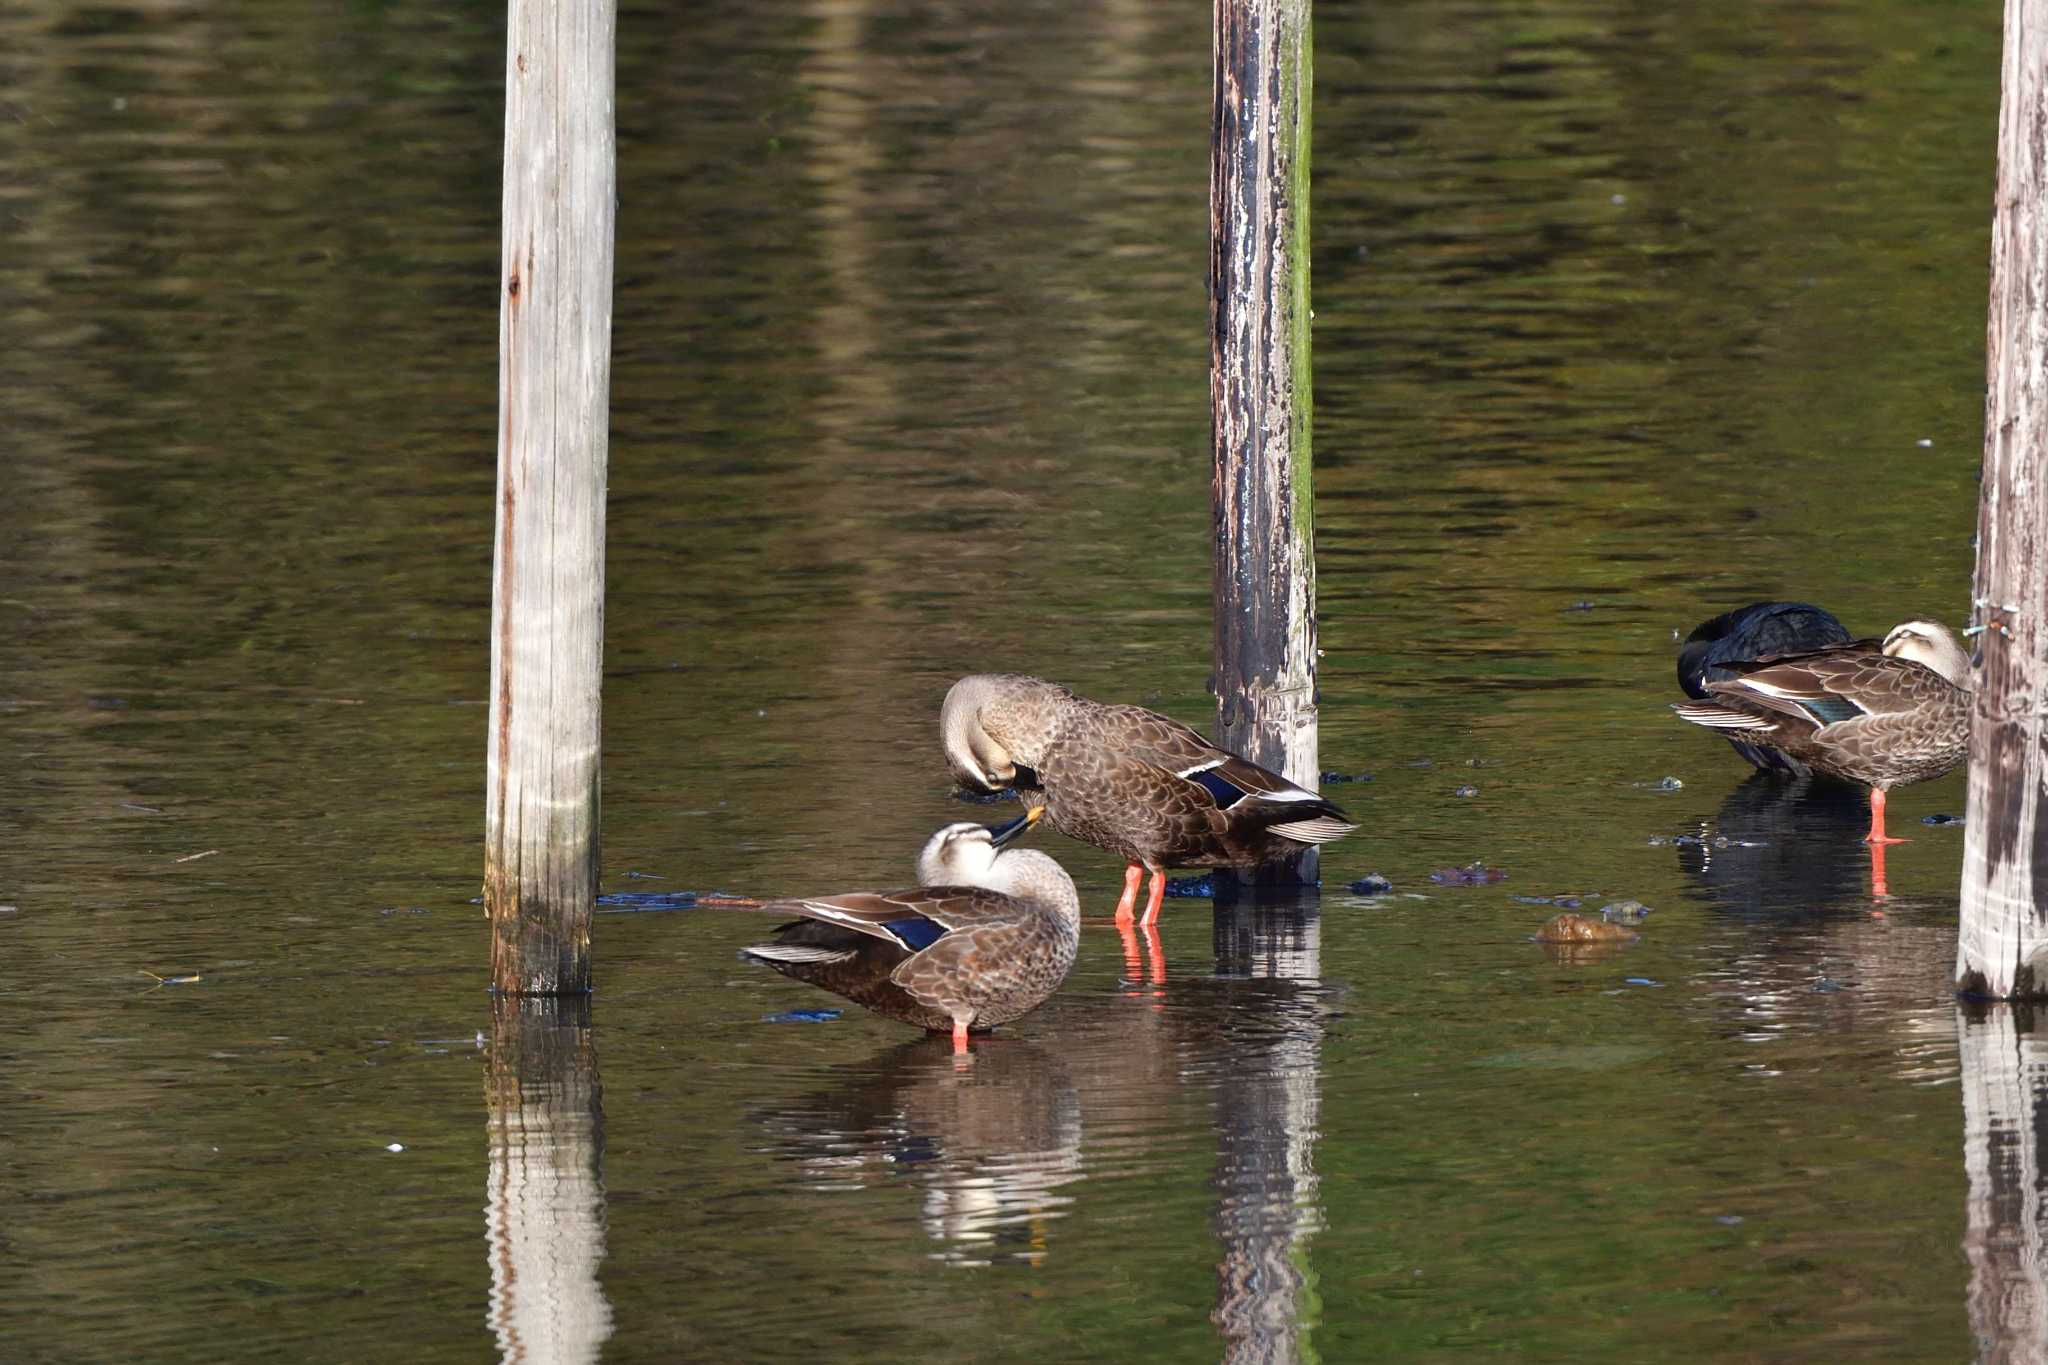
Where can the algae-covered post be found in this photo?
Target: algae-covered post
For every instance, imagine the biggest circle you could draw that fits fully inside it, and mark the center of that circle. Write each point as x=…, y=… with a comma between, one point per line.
x=1265, y=577
x=554, y=385
x=2000, y=950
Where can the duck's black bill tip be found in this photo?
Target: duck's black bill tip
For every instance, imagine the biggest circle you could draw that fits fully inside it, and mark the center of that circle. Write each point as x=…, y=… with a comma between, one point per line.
x=1005, y=834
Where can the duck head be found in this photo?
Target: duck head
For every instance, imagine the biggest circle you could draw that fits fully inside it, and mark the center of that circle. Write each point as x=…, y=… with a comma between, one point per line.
x=1930, y=644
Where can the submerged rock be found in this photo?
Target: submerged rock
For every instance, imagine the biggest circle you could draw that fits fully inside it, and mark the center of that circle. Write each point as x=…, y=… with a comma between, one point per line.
x=1624, y=912
x=1471, y=874
x=1570, y=928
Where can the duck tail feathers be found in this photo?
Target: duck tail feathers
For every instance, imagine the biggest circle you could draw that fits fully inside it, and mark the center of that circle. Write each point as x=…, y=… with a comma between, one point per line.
x=796, y=954
x=1721, y=717
x=1318, y=829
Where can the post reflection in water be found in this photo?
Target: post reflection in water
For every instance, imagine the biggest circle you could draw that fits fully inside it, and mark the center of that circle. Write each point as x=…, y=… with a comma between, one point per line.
x=1266, y=1117
x=990, y=1137
x=545, y=1208
x=2005, y=1107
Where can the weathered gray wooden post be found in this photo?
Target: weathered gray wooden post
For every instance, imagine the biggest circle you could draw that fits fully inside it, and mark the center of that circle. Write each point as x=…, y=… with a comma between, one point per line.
x=1265, y=575
x=2000, y=951
x=554, y=388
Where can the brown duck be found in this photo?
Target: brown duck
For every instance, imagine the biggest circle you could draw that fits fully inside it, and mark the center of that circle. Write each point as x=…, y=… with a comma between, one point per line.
x=1132, y=781
x=1883, y=713
x=987, y=934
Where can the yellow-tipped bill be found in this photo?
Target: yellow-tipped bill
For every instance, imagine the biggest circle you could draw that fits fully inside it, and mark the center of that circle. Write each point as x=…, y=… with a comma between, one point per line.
x=1003, y=835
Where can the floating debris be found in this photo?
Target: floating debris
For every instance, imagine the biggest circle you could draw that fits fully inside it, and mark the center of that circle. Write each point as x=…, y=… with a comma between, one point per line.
x=1625, y=912
x=195, y=857
x=801, y=1017
x=1530, y=900
x=645, y=902
x=1467, y=790
x=394, y=1146
x=1192, y=888
x=389, y=910
x=176, y=979
x=1471, y=874
x=1728, y=1220
x=1941, y=819
x=1570, y=928
x=1332, y=778
x=1662, y=784
x=1371, y=884
x=1581, y=605
x=1642, y=981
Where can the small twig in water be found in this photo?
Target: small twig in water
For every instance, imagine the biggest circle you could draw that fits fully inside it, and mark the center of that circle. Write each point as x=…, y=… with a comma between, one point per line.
x=195, y=857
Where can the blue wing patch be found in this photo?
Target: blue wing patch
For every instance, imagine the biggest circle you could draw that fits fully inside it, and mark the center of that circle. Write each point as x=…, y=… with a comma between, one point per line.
x=916, y=934
x=1226, y=792
x=1829, y=710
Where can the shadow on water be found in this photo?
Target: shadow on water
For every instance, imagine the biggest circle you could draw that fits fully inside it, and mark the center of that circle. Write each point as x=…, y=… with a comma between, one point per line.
x=2005, y=1113
x=1781, y=847
x=545, y=1203
x=988, y=1138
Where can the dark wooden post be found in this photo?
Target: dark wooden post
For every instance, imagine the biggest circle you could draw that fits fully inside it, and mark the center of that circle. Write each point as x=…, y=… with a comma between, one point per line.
x=2000, y=950
x=1265, y=576
x=554, y=388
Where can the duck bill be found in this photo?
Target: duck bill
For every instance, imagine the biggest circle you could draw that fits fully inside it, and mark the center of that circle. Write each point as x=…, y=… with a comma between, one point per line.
x=1002, y=836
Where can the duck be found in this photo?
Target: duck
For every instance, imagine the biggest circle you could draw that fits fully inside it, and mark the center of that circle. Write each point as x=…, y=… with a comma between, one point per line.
x=1760, y=630
x=986, y=936
x=1883, y=713
x=1141, y=785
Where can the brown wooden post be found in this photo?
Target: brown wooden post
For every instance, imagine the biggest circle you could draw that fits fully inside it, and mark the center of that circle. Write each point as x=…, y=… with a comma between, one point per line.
x=1265, y=577
x=554, y=389
x=2000, y=950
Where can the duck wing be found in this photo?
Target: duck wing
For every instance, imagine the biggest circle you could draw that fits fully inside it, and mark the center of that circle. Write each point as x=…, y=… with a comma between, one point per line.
x=1831, y=686
x=911, y=920
x=1181, y=754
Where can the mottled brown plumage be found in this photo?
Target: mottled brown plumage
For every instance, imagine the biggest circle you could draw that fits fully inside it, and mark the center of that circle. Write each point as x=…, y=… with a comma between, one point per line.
x=1883, y=713
x=984, y=938
x=1142, y=785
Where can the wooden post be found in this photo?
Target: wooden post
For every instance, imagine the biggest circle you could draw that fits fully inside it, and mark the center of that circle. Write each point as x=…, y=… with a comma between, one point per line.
x=554, y=389
x=1265, y=577
x=2000, y=950
x=544, y=1205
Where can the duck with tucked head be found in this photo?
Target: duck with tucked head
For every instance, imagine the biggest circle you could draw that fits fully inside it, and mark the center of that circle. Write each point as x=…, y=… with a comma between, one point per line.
x=987, y=934
x=1761, y=630
x=1134, y=782
x=1883, y=713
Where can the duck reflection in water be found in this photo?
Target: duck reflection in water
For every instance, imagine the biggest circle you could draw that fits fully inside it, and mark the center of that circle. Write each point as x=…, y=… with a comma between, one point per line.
x=1784, y=846
x=990, y=1143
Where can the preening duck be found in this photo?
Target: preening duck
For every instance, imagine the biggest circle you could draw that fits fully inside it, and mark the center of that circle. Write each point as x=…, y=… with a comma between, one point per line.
x=986, y=935
x=1883, y=713
x=1761, y=630
x=1141, y=785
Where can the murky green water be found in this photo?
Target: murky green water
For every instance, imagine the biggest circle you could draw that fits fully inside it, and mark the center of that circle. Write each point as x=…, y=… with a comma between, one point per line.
x=1625, y=315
